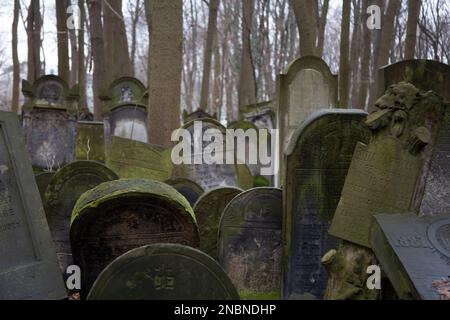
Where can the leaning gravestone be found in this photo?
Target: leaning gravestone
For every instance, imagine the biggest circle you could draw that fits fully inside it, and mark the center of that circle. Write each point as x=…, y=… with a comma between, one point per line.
x=414, y=253
x=125, y=109
x=49, y=122
x=63, y=191
x=317, y=162
x=28, y=264
x=91, y=141
x=188, y=188
x=250, y=244
x=121, y=215
x=433, y=193
x=208, y=210
x=383, y=178
x=42, y=180
x=135, y=159
x=163, y=272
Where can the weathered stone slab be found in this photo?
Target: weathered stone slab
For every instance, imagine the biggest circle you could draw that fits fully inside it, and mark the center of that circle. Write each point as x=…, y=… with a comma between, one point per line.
x=63, y=191
x=208, y=210
x=134, y=159
x=28, y=265
x=121, y=215
x=43, y=180
x=414, y=253
x=250, y=244
x=188, y=188
x=163, y=272
x=90, y=141
x=317, y=162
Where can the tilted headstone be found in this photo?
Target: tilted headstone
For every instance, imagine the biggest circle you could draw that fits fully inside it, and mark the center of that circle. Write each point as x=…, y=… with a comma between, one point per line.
x=414, y=253
x=250, y=243
x=317, y=162
x=433, y=194
x=125, y=109
x=383, y=175
x=63, y=191
x=188, y=188
x=91, y=141
x=42, y=180
x=163, y=272
x=121, y=215
x=135, y=159
x=28, y=264
x=49, y=122
x=208, y=210
x=260, y=114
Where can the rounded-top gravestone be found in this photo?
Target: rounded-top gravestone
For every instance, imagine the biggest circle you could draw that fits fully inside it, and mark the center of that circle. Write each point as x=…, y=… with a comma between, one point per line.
x=63, y=191
x=208, y=210
x=121, y=215
x=43, y=180
x=191, y=190
x=163, y=272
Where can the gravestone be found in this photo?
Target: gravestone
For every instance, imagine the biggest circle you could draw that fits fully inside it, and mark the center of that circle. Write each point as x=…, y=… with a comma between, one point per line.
x=49, y=122
x=121, y=215
x=63, y=191
x=317, y=162
x=250, y=243
x=135, y=159
x=208, y=176
x=260, y=114
x=42, y=180
x=188, y=188
x=198, y=114
x=208, y=210
x=28, y=265
x=91, y=141
x=414, y=253
x=163, y=272
x=433, y=194
x=125, y=109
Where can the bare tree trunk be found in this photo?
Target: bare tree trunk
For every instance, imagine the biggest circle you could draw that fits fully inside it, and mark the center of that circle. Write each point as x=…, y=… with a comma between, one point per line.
x=304, y=11
x=344, y=72
x=247, y=81
x=365, y=65
x=81, y=59
x=34, y=25
x=165, y=19
x=63, y=40
x=118, y=60
x=411, y=28
x=355, y=53
x=211, y=33
x=98, y=53
x=16, y=62
x=216, y=101
x=134, y=22
x=322, y=26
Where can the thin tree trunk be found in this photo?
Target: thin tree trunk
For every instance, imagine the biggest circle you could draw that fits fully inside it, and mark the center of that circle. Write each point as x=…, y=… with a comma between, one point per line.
x=304, y=11
x=344, y=72
x=16, y=62
x=81, y=59
x=34, y=40
x=63, y=40
x=365, y=65
x=355, y=53
x=134, y=23
x=411, y=28
x=322, y=27
x=165, y=19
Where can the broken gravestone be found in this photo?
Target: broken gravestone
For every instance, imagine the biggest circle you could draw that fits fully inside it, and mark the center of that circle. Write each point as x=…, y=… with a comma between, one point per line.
x=250, y=244
x=90, y=141
x=383, y=178
x=28, y=264
x=317, y=162
x=163, y=272
x=125, y=109
x=208, y=210
x=121, y=215
x=49, y=122
x=415, y=254
x=63, y=191
x=188, y=188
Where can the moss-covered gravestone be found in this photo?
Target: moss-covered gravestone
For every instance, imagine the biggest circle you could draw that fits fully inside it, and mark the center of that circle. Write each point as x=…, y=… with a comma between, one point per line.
x=28, y=264
x=317, y=162
x=260, y=114
x=42, y=180
x=384, y=177
x=63, y=191
x=188, y=188
x=121, y=215
x=415, y=254
x=91, y=141
x=125, y=109
x=49, y=122
x=250, y=244
x=198, y=114
x=134, y=160
x=208, y=210
x=163, y=272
